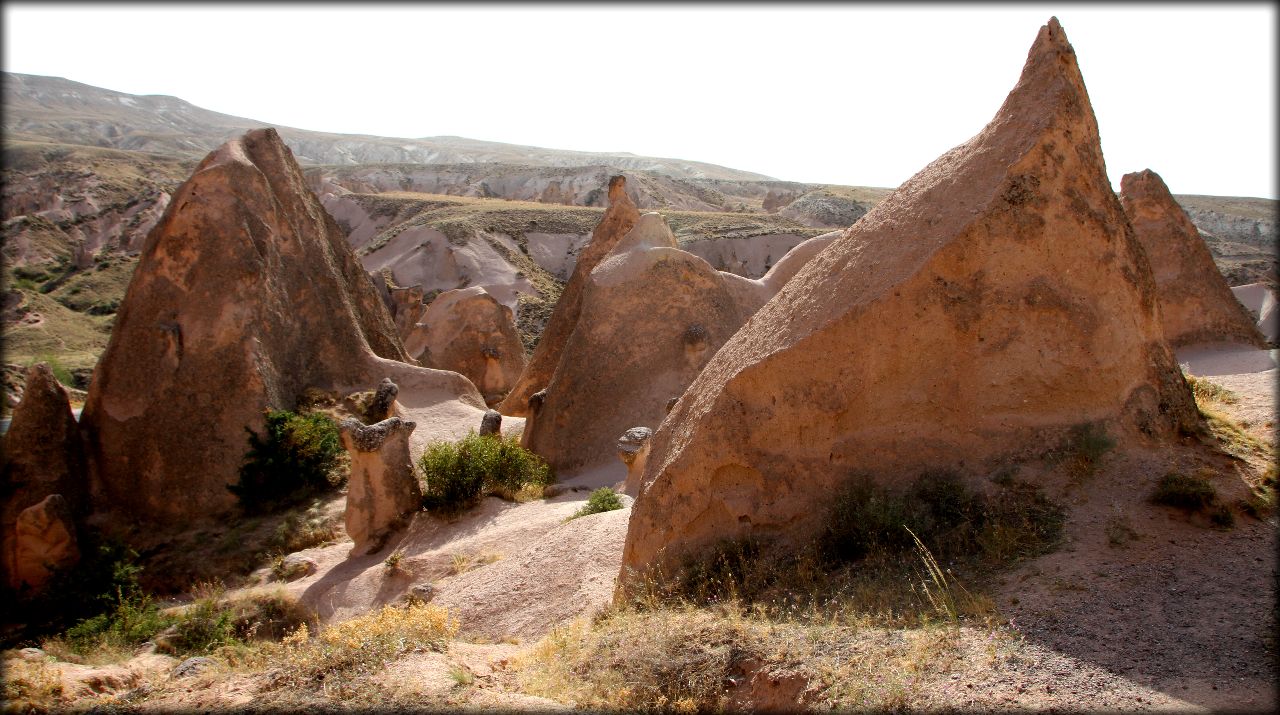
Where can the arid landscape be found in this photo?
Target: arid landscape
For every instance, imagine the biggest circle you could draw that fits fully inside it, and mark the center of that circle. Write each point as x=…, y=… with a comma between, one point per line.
x=297, y=420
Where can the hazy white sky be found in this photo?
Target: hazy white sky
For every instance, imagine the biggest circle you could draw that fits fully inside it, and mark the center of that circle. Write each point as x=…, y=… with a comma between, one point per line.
x=858, y=94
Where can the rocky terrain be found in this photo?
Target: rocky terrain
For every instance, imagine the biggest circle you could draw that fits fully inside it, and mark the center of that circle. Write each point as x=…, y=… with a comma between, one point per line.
x=486, y=431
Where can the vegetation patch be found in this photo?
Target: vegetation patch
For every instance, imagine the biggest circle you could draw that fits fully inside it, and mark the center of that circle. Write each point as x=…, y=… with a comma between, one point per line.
x=1193, y=493
x=457, y=474
x=296, y=457
x=601, y=500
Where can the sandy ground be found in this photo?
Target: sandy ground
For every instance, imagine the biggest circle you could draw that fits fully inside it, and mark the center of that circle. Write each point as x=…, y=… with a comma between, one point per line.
x=1251, y=374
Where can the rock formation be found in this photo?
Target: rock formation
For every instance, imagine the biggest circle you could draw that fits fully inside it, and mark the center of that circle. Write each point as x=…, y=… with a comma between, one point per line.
x=1196, y=305
x=651, y=317
x=617, y=221
x=491, y=423
x=383, y=488
x=245, y=295
x=469, y=332
x=42, y=456
x=383, y=403
x=44, y=544
x=992, y=301
x=1260, y=301
x=633, y=450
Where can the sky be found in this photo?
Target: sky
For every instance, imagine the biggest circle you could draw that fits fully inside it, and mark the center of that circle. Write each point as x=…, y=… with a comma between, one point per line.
x=859, y=94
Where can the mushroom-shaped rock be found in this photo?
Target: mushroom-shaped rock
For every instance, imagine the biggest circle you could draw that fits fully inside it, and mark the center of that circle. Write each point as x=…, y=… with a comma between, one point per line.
x=633, y=449
x=469, y=332
x=382, y=404
x=491, y=423
x=41, y=455
x=245, y=295
x=44, y=543
x=617, y=221
x=383, y=487
x=1196, y=305
x=992, y=301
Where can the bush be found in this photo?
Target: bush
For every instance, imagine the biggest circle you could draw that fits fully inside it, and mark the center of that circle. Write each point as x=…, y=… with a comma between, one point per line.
x=1185, y=492
x=601, y=500
x=127, y=617
x=299, y=456
x=459, y=473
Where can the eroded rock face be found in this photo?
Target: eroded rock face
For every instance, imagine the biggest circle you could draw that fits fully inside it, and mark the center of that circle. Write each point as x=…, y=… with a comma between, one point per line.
x=618, y=220
x=221, y=320
x=491, y=423
x=469, y=332
x=1196, y=305
x=633, y=450
x=44, y=544
x=995, y=298
x=42, y=455
x=383, y=487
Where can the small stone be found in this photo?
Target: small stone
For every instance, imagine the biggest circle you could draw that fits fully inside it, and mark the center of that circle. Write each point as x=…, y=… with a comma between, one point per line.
x=32, y=654
x=191, y=666
x=491, y=423
x=418, y=593
x=295, y=566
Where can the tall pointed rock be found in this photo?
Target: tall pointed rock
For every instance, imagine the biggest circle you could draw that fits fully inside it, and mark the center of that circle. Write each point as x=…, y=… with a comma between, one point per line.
x=993, y=300
x=245, y=295
x=1196, y=305
x=617, y=221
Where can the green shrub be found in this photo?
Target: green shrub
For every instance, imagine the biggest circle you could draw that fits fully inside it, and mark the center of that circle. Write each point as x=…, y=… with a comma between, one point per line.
x=1186, y=492
x=127, y=617
x=601, y=500
x=298, y=456
x=459, y=473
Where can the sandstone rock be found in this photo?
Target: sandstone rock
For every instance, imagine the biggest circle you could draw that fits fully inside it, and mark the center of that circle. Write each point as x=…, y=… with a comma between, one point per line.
x=617, y=221
x=44, y=544
x=382, y=405
x=42, y=455
x=633, y=449
x=469, y=332
x=991, y=301
x=192, y=666
x=296, y=566
x=219, y=323
x=491, y=424
x=383, y=487
x=1196, y=305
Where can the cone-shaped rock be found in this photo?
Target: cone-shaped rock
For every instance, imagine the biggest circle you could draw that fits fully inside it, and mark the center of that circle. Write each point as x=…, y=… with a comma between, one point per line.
x=995, y=298
x=469, y=332
x=651, y=317
x=41, y=455
x=1196, y=305
x=245, y=295
x=616, y=223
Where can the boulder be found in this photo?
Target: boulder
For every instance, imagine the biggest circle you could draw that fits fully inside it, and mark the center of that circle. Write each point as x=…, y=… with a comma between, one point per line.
x=383, y=488
x=383, y=403
x=44, y=544
x=469, y=332
x=491, y=423
x=245, y=295
x=1196, y=305
x=617, y=221
x=41, y=455
x=992, y=301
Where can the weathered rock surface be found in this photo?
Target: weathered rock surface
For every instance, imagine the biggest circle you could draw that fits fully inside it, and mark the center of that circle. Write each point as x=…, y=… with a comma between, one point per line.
x=1260, y=301
x=633, y=450
x=42, y=455
x=491, y=423
x=218, y=324
x=1196, y=305
x=617, y=221
x=995, y=298
x=469, y=332
x=382, y=489
x=44, y=544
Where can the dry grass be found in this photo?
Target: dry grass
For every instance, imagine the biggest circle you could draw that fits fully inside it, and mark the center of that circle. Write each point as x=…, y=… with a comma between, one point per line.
x=462, y=563
x=29, y=686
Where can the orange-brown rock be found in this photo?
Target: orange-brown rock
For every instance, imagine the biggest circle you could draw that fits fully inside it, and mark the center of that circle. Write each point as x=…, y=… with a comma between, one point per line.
x=993, y=300
x=469, y=332
x=41, y=455
x=617, y=221
x=44, y=544
x=651, y=317
x=245, y=295
x=1196, y=304
x=383, y=488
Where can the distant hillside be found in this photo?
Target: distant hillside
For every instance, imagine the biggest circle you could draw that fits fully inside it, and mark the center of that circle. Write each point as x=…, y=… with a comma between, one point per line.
x=53, y=109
